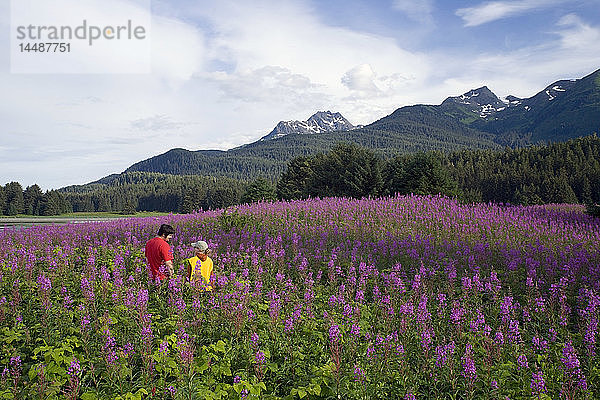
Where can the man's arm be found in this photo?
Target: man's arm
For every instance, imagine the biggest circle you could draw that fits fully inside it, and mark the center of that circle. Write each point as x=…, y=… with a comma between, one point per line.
x=169, y=265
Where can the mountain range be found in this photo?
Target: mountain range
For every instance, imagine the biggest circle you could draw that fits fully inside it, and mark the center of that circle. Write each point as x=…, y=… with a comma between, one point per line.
x=477, y=119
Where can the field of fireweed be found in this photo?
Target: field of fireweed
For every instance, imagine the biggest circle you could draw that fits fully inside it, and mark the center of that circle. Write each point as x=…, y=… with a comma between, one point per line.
x=404, y=297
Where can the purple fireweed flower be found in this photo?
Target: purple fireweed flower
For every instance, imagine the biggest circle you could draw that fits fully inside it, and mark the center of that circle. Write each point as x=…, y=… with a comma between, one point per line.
x=540, y=345
x=109, y=352
x=370, y=352
x=514, y=334
x=163, y=348
x=348, y=311
x=259, y=357
x=85, y=323
x=87, y=289
x=571, y=366
x=410, y=396
x=522, y=361
x=171, y=390
x=457, y=313
x=538, y=385
x=442, y=352
x=288, y=325
x=186, y=347
x=359, y=374
x=426, y=338
x=74, y=368
x=355, y=329
x=569, y=357
x=506, y=306
x=441, y=297
x=44, y=283
x=539, y=305
x=254, y=339
x=399, y=349
x=332, y=301
x=334, y=333
x=128, y=349
x=553, y=334
x=469, y=369
x=15, y=366
x=466, y=283
x=237, y=379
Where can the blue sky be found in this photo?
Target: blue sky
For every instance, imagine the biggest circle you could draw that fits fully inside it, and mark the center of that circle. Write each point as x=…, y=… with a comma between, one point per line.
x=225, y=72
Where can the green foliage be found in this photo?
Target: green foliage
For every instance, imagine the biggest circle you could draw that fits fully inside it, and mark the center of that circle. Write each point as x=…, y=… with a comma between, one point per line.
x=566, y=172
x=347, y=170
x=14, y=203
x=259, y=190
x=143, y=191
x=421, y=173
x=295, y=180
x=33, y=199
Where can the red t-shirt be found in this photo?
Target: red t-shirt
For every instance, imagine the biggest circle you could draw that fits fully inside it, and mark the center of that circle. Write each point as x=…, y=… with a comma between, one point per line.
x=157, y=252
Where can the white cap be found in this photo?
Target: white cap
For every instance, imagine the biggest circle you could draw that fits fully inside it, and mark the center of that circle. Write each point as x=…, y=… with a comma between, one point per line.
x=200, y=245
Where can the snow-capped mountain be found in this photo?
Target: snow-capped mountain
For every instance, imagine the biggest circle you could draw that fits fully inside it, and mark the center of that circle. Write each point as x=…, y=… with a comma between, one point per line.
x=550, y=93
x=481, y=101
x=484, y=103
x=322, y=121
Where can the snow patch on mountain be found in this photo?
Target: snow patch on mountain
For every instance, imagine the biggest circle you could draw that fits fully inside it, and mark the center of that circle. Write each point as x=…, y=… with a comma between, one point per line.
x=320, y=122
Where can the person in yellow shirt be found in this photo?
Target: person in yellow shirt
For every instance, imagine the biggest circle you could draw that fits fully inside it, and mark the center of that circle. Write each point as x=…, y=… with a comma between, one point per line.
x=201, y=265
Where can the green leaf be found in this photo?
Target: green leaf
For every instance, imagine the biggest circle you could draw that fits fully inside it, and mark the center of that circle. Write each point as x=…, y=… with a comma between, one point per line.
x=302, y=393
x=89, y=396
x=220, y=346
x=316, y=389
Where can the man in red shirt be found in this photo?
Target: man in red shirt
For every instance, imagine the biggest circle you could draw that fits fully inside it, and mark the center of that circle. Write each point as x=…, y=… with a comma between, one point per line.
x=158, y=252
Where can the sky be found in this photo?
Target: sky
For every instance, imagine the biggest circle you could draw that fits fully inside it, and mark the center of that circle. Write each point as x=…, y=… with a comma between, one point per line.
x=222, y=73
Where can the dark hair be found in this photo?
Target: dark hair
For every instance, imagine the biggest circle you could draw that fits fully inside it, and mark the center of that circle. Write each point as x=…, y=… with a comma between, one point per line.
x=165, y=230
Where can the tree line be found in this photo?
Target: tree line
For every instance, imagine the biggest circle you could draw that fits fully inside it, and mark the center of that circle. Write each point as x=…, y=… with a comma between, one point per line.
x=567, y=172
x=32, y=201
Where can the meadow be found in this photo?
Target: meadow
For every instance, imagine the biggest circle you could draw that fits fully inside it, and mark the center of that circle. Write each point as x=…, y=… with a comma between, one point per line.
x=408, y=297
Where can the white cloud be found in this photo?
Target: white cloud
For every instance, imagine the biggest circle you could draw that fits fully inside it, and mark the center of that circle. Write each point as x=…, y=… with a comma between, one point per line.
x=290, y=40
x=578, y=35
x=156, y=123
x=495, y=10
x=416, y=10
x=361, y=78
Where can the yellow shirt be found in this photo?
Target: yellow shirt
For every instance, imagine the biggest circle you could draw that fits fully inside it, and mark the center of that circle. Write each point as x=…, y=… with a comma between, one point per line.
x=206, y=269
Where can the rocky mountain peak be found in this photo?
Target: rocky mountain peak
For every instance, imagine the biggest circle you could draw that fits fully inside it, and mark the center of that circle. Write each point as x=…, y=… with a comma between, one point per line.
x=319, y=122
